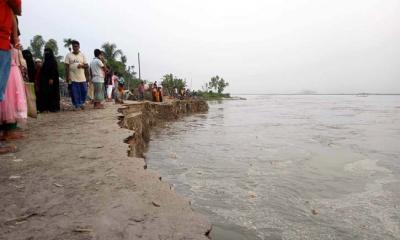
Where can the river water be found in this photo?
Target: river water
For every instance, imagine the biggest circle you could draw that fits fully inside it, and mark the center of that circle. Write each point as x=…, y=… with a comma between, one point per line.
x=288, y=167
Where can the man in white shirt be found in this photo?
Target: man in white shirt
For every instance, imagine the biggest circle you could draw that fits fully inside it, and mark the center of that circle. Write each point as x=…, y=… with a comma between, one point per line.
x=76, y=69
x=97, y=72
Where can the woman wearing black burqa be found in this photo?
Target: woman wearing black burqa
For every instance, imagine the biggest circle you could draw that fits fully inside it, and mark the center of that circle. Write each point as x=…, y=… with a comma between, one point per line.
x=49, y=84
x=30, y=64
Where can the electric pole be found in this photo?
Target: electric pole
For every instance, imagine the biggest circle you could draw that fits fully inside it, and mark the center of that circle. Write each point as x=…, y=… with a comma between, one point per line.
x=138, y=56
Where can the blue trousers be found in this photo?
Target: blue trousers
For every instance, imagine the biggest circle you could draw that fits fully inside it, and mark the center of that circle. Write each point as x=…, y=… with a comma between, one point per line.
x=78, y=93
x=5, y=66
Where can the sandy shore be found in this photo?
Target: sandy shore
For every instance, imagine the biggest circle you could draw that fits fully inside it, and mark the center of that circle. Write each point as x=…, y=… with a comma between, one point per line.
x=72, y=179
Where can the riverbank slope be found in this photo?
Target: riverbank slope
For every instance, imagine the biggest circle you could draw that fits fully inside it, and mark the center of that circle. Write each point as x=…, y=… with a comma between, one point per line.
x=72, y=179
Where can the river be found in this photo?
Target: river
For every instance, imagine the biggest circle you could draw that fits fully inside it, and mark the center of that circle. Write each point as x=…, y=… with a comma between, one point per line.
x=288, y=167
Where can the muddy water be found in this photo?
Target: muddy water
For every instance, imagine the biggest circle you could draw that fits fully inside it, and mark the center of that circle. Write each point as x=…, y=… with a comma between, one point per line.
x=289, y=167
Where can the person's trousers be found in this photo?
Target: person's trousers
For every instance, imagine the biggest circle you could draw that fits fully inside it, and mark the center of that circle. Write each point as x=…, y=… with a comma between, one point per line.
x=5, y=66
x=78, y=93
x=98, y=91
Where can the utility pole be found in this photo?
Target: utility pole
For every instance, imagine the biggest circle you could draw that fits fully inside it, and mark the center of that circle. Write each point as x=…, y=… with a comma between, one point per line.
x=138, y=56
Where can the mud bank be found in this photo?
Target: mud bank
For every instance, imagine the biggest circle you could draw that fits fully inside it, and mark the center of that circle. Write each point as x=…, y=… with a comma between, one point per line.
x=72, y=179
x=142, y=117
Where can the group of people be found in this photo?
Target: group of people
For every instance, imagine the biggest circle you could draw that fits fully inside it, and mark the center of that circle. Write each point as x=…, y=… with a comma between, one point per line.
x=153, y=88
x=104, y=84
x=18, y=69
x=156, y=92
x=45, y=77
x=182, y=94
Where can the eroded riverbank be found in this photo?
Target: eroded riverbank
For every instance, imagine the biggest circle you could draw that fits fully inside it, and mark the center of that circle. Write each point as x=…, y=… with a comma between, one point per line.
x=72, y=179
x=141, y=117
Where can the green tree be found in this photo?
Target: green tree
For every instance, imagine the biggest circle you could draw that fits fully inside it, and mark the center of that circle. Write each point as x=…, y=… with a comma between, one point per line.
x=169, y=82
x=213, y=84
x=52, y=44
x=117, y=62
x=124, y=59
x=111, y=53
x=218, y=84
x=68, y=43
x=222, y=85
x=36, y=46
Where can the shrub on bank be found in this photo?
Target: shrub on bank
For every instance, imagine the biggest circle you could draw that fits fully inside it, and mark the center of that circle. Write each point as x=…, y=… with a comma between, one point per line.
x=212, y=95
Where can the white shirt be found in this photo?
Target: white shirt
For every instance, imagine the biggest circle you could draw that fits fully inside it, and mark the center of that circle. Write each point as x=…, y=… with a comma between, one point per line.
x=96, y=67
x=73, y=60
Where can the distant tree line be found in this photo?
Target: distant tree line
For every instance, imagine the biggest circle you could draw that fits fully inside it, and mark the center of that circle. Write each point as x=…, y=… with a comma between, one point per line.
x=218, y=84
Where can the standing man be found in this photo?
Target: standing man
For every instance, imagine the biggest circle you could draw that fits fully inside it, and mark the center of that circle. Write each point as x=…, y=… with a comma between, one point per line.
x=76, y=70
x=97, y=72
x=8, y=8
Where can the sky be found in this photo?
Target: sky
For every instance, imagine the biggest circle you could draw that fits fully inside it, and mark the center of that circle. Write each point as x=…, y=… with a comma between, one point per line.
x=258, y=46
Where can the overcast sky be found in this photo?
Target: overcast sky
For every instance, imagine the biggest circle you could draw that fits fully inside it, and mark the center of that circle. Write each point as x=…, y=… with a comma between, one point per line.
x=258, y=46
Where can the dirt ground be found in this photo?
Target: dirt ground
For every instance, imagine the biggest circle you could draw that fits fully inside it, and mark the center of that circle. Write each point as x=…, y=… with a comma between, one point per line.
x=72, y=179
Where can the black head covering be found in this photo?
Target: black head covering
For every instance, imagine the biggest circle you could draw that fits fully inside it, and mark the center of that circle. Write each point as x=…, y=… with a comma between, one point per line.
x=49, y=55
x=49, y=59
x=50, y=68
